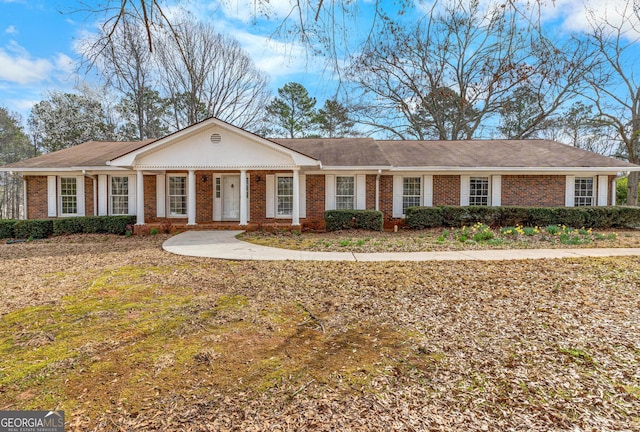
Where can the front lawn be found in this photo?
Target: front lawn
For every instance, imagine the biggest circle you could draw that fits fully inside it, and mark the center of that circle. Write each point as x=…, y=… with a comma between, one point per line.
x=477, y=236
x=124, y=336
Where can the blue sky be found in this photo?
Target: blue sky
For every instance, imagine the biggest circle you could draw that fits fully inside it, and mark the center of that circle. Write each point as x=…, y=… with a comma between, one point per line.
x=38, y=38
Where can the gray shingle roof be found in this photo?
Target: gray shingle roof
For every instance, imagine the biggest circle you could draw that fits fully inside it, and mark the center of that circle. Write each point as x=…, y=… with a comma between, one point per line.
x=88, y=154
x=367, y=152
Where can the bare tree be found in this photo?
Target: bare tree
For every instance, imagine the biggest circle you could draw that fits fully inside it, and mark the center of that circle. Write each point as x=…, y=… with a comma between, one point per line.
x=460, y=67
x=616, y=89
x=207, y=74
x=124, y=61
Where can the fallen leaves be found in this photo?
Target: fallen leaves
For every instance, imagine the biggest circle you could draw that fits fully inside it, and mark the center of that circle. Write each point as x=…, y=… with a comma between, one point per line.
x=173, y=343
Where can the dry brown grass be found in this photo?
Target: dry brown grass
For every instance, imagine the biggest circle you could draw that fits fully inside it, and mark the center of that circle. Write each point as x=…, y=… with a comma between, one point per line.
x=124, y=336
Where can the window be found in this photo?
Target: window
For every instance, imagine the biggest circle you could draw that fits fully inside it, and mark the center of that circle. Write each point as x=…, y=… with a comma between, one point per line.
x=68, y=196
x=119, y=195
x=177, y=195
x=218, y=187
x=345, y=193
x=584, y=191
x=410, y=192
x=284, y=196
x=479, y=191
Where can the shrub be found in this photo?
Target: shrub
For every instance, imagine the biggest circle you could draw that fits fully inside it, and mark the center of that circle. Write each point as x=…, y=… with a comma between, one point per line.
x=6, y=228
x=424, y=217
x=589, y=217
x=33, y=228
x=71, y=225
x=336, y=220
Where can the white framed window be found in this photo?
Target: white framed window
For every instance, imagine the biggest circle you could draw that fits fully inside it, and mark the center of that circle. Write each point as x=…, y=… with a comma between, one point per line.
x=177, y=193
x=411, y=192
x=119, y=195
x=479, y=191
x=284, y=196
x=584, y=195
x=68, y=196
x=345, y=192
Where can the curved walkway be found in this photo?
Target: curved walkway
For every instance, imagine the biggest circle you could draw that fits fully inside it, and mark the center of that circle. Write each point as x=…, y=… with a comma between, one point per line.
x=225, y=245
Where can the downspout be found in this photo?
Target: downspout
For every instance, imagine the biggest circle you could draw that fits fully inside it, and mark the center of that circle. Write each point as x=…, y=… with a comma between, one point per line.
x=378, y=190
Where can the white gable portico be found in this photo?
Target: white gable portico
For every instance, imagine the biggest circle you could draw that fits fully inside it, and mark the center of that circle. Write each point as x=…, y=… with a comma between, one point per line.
x=211, y=145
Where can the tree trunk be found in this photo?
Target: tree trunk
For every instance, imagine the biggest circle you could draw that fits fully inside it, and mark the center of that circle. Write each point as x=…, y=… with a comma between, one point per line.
x=632, y=188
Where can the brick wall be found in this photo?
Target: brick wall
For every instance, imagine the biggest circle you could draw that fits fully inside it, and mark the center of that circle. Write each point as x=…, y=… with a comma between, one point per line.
x=150, y=204
x=88, y=197
x=371, y=192
x=446, y=190
x=37, y=197
x=533, y=190
x=205, y=183
x=386, y=197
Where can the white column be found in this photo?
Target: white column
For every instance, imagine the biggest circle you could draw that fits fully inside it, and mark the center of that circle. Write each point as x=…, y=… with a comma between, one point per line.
x=191, y=199
x=295, y=219
x=25, y=199
x=139, y=197
x=243, y=197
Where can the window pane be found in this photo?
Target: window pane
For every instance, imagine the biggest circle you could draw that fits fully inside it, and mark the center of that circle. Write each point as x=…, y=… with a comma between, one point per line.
x=479, y=191
x=284, y=192
x=344, y=186
x=177, y=196
x=68, y=198
x=119, y=195
x=584, y=191
x=411, y=186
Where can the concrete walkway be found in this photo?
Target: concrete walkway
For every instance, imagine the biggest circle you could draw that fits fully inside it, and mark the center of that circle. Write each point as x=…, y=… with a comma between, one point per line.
x=225, y=245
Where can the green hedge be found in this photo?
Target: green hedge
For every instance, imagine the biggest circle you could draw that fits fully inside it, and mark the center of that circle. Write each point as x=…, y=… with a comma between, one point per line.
x=93, y=224
x=33, y=229
x=43, y=228
x=336, y=220
x=6, y=228
x=588, y=217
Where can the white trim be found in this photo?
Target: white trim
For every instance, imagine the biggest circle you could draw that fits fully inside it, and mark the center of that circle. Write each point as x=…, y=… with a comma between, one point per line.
x=80, y=196
x=270, y=194
x=614, y=191
x=217, y=197
x=427, y=190
x=465, y=189
x=361, y=191
x=244, y=207
x=397, y=196
x=329, y=192
x=295, y=217
x=139, y=197
x=570, y=191
x=132, y=194
x=603, y=190
x=191, y=197
x=52, y=196
x=25, y=200
x=103, y=195
x=161, y=195
x=495, y=190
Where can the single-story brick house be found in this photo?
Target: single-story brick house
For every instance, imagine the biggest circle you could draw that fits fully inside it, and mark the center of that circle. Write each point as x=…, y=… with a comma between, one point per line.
x=194, y=176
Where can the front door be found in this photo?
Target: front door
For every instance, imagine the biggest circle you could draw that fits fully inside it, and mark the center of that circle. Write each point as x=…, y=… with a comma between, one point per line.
x=231, y=197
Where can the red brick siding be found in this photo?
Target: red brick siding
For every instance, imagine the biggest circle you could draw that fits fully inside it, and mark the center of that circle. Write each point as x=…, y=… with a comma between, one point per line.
x=88, y=197
x=315, y=198
x=150, y=204
x=446, y=190
x=205, y=184
x=371, y=192
x=386, y=196
x=533, y=190
x=37, y=207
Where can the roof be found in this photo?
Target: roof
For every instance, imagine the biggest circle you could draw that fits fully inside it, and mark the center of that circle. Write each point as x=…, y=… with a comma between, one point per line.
x=88, y=154
x=369, y=153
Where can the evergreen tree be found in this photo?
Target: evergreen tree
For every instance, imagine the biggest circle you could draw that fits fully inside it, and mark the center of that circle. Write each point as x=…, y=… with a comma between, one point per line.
x=333, y=120
x=292, y=113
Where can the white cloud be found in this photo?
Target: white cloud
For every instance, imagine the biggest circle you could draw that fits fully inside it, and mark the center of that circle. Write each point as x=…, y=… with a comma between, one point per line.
x=18, y=66
x=12, y=30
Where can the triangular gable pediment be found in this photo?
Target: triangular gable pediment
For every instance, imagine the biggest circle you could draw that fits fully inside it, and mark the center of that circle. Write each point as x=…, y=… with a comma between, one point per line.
x=213, y=144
